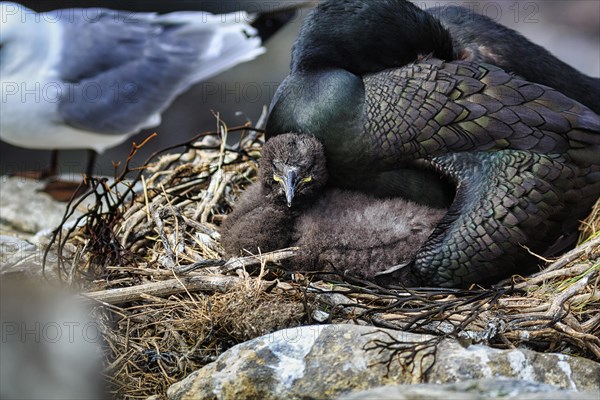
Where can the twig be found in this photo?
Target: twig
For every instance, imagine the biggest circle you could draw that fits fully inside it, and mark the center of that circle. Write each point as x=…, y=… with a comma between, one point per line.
x=560, y=301
x=592, y=246
x=273, y=256
x=165, y=241
x=212, y=283
x=548, y=274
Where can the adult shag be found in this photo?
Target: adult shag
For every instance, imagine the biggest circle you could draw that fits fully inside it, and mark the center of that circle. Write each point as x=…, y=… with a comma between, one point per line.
x=379, y=85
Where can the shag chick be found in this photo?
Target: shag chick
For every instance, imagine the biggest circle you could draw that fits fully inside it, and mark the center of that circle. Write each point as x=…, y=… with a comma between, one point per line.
x=291, y=205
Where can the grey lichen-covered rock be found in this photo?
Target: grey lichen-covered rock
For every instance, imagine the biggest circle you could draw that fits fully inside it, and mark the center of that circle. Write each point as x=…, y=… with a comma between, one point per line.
x=27, y=218
x=24, y=209
x=457, y=363
x=477, y=389
x=18, y=256
x=24, y=258
x=329, y=360
x=318, y=361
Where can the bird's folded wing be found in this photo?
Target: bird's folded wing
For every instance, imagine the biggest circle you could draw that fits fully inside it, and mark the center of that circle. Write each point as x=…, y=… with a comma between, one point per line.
x=122, y=69
x=505, y=200
x=433, y=107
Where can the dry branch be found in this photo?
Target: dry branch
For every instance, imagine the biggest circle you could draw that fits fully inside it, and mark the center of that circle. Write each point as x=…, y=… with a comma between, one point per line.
x=212, y=283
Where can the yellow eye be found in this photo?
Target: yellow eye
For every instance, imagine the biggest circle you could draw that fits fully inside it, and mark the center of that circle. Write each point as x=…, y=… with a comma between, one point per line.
x=306, y=180
x=277, y=179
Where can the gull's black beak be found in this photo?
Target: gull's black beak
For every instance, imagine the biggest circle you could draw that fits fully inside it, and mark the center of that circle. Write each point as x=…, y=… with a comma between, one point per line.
x=290, y=183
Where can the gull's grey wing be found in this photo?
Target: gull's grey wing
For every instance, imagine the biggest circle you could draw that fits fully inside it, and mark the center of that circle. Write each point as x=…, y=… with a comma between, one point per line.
x=98, y=40
x=122, y=69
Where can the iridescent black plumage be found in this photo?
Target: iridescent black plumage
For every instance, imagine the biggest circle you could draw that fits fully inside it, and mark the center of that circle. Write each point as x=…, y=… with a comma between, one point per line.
x=523, y=157
x=479, y=38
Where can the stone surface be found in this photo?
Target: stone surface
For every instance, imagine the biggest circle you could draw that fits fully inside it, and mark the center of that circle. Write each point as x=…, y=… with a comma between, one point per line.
x=28, y=217
x=19, y=257
x=317, y=361
x=24, y=209
x=326, y=361
x=457, y=363
x=478, y=389
x=51, y=347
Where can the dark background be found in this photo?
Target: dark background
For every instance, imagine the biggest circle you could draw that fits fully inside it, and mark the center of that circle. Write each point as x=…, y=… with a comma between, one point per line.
x=569, y=29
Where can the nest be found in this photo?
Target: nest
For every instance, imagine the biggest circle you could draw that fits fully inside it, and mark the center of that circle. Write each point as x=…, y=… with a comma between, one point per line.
x=147, y=254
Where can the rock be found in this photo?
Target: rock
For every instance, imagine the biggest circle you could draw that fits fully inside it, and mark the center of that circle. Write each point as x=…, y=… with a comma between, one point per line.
x=326, y=361
x=28, y=217
x=24, y=258
x=476, y=389
x=457, y=363
x=25, y=210
x=51, y=347
x=318, y=361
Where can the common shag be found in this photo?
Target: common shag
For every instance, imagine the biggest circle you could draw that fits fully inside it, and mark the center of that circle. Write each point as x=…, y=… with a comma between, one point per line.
x=290, y=205
x=378, y=84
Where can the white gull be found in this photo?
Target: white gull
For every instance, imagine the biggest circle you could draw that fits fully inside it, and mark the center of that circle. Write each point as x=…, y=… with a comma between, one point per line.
x=90, y=78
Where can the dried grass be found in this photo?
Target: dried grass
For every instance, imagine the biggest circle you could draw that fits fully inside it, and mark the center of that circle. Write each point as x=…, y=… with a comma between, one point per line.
x=169, y=304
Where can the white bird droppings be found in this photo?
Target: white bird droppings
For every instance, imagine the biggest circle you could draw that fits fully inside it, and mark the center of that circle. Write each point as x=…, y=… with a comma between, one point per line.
x=521, y=366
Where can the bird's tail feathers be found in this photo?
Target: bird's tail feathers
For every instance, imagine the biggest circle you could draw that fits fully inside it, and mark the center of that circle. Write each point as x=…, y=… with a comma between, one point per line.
x=222, y=40
x=231, y=52
x=194, y=20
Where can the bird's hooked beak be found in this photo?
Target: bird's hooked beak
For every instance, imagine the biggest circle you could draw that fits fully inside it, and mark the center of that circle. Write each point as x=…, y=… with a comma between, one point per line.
x=290, y=183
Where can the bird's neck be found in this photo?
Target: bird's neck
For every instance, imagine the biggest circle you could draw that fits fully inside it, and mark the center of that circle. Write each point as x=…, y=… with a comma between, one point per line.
x=368, y=37
x=328, y=104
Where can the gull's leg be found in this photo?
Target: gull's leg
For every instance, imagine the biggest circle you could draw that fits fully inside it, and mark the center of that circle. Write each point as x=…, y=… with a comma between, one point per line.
x=91, y=162
x=52, y=169
x=44, y=173
x=65, y=190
